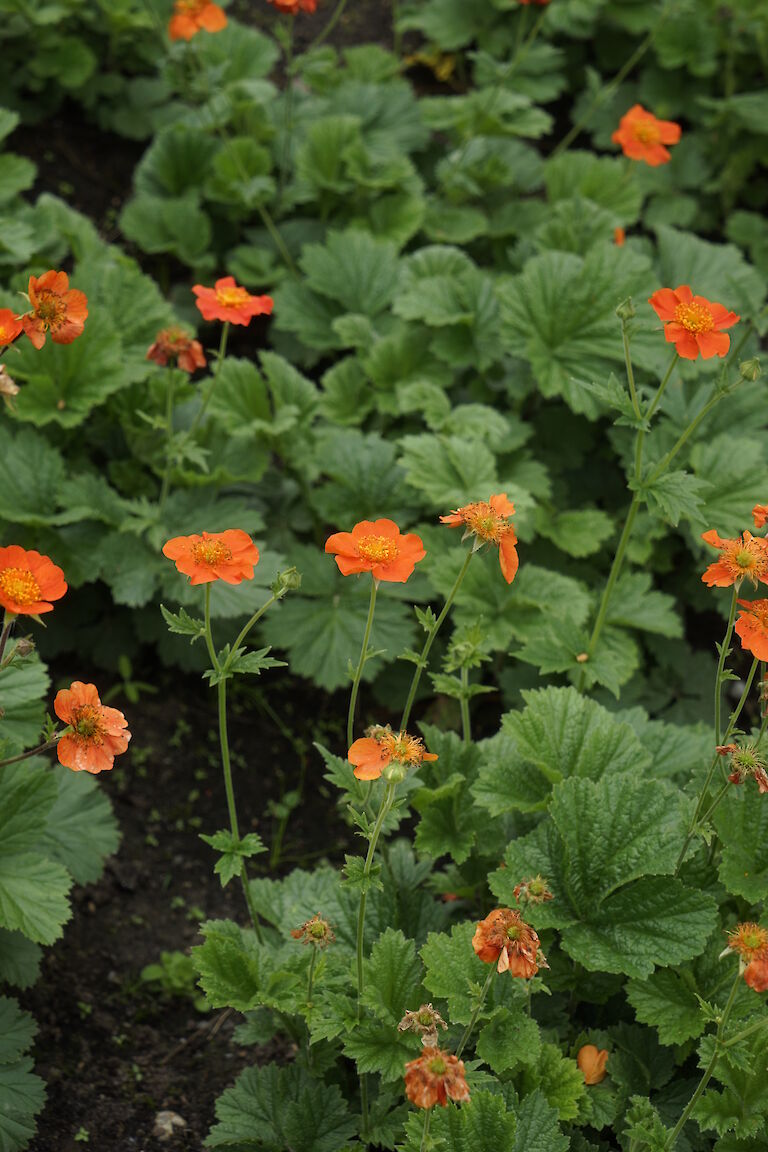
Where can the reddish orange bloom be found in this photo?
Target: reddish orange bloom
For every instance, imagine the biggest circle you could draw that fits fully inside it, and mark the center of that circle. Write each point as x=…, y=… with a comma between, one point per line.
x=750, y=940
x=746, y=556
x=193, y=16
x=175, y=344
x=760, y=515
x=97, y=735
x=28, y=582
x=619, y=237
x=756, y=974
x=592, y=1060
x=228, y=301
x=642, y=136
x=694, y=325
x=435, y=1078
x=56, y=308
x=505, y=939
x=372, y=755
x=489, y=522
x=293, y=7
x=752, y=627
x=230, y=556
x=10, y=326
x=378, y=547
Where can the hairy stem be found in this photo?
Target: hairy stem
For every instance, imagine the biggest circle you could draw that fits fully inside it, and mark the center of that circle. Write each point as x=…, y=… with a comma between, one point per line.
x=478, y=1009
x=361, y=664
x=466, y=729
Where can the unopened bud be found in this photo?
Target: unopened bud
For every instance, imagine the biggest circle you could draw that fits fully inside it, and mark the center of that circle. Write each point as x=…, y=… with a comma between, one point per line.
x=394, y=772
x=750, y=369
x=287, y=581
x=626, y=310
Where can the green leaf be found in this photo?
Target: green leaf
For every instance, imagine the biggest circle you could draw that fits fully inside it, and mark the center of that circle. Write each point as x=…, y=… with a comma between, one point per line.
x=80, y=829
x=449, y=470
x=668, y=1000
x=274, y=1108
x=511, y=1038
x=22, y=690
x=19, y=959
x=482, y=1125
x=454, y=971
x=538, y=1129
x=600, y=179
x=741, y=821
x=31, y=472
x=579, y=533
x=182, y=624
x=237, y=971
x=634, y=604
x=167, y=224
x=558, y=1078
x=378, y=1047
x=353, y=269
x=676, y=496
x=33, y=896
x=392, y=977
x=716, y=271
x=27, y=795
x=22, y=1094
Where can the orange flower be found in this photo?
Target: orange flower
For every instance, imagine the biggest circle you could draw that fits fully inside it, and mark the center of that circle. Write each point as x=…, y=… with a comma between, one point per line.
x=756, y=974
x=752, y=627
x=750, y=940
x=642, y=136
x=292, y=7
x=760, y=515
x=10, y=326
x=592, y=1060
x=228, y=301
x=694, y=325
x=619, y=236
x=175, y=344
x=505, y=939
x=435, y=1078
x=376, y=546
x=372, y=755
x=193, y=16
x=28, y=582
x=230, y=556
x=746, y=556
x=488, y=522
x=56, y=308
x=98, y=734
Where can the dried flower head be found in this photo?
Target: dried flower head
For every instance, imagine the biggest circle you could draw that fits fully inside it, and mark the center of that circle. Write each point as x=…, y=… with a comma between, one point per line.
x=642, y=136
x=383, y=752
x=535, y=890
x=693, y=324
x=315, y=931
x=745, y=557
x=425, y=1021
x=592, y=1061
x=750, y=940
x=8, y=387
x=435, y=1078
x=503, y=938
x=489, y=521
x=175, y=346
x=747, y=761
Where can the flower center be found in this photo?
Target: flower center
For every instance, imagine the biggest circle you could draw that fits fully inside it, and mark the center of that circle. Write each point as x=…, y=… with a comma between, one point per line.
x=647, y=132
x=232, y=297
x=20, y=585
x=745, y=559
x=403, y=748
x=50, y=308
x=437, y=1067
x=694, y=317
x=210, y=552
x=425, y=1018
x=514, y=932
x=484, y=522
x=378, y=549
x=87, y=723
x=317, y=929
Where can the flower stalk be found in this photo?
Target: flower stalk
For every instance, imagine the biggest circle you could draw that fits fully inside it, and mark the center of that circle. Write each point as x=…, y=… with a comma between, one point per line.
x=361, y=663
x=478, y=1009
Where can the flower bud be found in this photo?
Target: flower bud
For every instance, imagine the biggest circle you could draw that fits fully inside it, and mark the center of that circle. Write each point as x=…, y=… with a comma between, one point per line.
x=394, y=771
x=626, y=310
x=750, y=369
x=287, y=581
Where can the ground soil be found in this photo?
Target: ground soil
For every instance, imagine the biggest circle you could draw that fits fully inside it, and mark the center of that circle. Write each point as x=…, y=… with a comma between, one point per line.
x=113, y=1050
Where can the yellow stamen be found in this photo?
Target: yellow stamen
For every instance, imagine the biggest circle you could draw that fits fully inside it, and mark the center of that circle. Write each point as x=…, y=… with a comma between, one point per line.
x=210, y=552
x=20, y=585
x=378, y=549
x=694, y=318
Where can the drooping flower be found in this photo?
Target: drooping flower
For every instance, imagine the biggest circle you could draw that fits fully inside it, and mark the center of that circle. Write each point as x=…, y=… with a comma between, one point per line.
x=535, y=890
x=592, y=1060
x=378, y=547
x=193, y=16
x=747, y=761
x=387, y=753
x=693, y=324
x=174, y=345
x=503, y=938
x=642, y=136
x=760, y=515
x=228, y=301
x=749, y=940
x=425, y=1022
x=756, y=974
x=293, y=7
x=489, y=522
x=746, y=557
x=10, y=326
x=29, y=581
x=315, y=931
x=619, y=237
x=752, y=627
x=98, y=733
x=56, y=309
x=230, y=556
x=435, y=1078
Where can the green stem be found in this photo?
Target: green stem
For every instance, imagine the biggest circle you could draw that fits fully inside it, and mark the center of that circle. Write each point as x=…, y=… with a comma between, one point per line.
x=745, y=1033
x=32, y=752
x=277, y=239
x=465, y=717
x=310, y=981
x=742, y=701
x=478, y=1009
x=219, y=360
x=8, y=622
x=256, y=616
x=423, y=659
x=662, y=387
x=425, y=1132
x=166, y=484
x=360, y=664
x=318, y=40
x=285, y=151
x=708, y=1071
x=397, y=39
x=724, y=650
x=630, y=371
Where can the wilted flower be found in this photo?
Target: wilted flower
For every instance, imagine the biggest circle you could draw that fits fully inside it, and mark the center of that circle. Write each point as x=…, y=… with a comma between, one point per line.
x=176, y=345
x=387, y=753
x=28, y=581
x=746, y=762
x=490, y=523
x=193, y=16
x=505, y=939
x=378, y=547
x=425, y=1022
x=435, y=1078
x=532, y=891
x=750, y=940
x=230, y=556
x=10, y=326
x=97, y=735
x=756, y=974
x=592, y=1060
x=56, y=309
x=693, y=324
x=760, y=515
x=315, y=931
x=642, y=136
x=227, y=301
x=746, y=556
